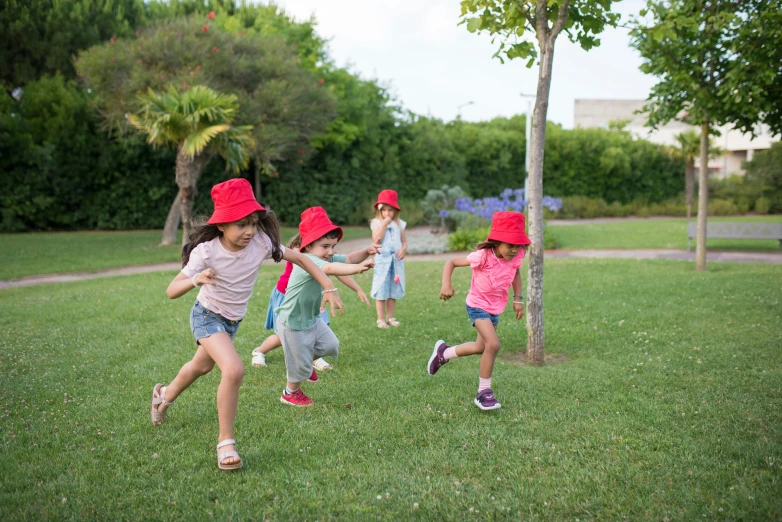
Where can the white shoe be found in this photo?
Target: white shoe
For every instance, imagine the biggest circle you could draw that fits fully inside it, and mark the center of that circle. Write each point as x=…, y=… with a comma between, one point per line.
x=259, y=359
x=321, y=365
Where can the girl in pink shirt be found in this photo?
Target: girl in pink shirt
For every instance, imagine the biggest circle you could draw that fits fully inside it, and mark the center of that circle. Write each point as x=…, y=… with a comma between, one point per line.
x=222, y=259
x=495, y=266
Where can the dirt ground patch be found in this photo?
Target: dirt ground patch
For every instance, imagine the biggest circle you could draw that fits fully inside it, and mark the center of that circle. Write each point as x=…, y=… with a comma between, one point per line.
x=520, y=358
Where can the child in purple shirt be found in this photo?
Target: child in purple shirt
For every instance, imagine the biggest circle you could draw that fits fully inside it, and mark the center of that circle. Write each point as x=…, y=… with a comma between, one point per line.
x=495, y=266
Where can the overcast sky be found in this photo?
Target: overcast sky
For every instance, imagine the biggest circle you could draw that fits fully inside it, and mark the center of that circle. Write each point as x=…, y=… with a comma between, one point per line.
x=432, y=65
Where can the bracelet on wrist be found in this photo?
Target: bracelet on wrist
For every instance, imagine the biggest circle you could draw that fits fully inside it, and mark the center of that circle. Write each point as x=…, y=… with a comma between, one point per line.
x=193, y=280
x=519, y=296
x=332, y=290
x=518, y=302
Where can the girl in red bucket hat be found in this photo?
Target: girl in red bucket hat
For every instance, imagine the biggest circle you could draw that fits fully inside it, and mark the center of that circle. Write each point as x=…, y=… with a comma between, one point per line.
x=222, y=259
x=388, y=283
x=304, y=335
x=495, y=266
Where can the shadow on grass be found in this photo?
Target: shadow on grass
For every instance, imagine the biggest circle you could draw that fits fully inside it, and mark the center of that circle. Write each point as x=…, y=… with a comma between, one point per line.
x=520, y=359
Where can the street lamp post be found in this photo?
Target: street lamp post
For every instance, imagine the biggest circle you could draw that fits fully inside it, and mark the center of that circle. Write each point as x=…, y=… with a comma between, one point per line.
x=529, y=97
x=459, y=109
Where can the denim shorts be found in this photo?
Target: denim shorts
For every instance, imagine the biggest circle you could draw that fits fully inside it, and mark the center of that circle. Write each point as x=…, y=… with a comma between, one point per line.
x=204, y=323
x=480, y=313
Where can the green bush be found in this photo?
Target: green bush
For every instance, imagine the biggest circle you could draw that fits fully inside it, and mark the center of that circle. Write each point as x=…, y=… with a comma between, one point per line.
x=466, y=238
x=722, y=207
x=762, y=205
x=765, y=170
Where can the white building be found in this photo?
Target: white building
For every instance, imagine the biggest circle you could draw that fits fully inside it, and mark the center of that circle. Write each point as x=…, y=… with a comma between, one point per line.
x=738, y=146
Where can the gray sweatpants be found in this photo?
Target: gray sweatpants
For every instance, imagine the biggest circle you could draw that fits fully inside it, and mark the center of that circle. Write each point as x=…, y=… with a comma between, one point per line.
x=301, y=347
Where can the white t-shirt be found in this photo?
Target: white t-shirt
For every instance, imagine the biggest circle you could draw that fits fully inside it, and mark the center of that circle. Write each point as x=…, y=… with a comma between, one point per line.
x=236, y=273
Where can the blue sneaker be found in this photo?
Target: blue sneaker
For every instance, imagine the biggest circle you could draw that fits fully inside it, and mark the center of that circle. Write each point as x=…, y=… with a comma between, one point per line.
x=485, y=400
x=437, y=359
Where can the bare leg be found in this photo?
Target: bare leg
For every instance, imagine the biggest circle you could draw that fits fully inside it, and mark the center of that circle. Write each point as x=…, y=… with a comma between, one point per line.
x=491, y=346
x=293, y=386
x=381, y=310
x=269, y=344
x=487, y=344
x=199, y=365
x=390, y=307
x=222, y=351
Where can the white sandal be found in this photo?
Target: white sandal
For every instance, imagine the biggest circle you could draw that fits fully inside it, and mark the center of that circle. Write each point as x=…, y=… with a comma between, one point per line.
x=158, y=398
x=227, y=455
x=259, y=359
x=382, y=324
x=321, y=365
x=393, y=322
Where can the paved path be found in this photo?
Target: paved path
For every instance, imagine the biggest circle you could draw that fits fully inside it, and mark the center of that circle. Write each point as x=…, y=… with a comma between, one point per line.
x=348, y=246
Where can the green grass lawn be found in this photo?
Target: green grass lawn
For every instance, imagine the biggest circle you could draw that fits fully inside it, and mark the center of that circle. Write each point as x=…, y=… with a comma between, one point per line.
x=652, y=234
x=669, y=406
x=63, y=252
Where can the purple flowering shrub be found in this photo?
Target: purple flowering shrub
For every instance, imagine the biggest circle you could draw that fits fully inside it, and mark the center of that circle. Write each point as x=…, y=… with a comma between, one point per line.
x=472, y=217
x=484, y=209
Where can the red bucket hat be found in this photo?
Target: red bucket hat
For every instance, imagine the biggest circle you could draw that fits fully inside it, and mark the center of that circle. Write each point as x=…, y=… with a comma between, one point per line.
x=315, y=224
x=388, y=197
x=234, y=199
x=508, y=227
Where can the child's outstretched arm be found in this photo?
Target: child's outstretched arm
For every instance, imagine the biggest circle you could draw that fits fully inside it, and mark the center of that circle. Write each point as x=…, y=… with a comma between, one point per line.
x=351, y=283
x=317, y=274
x=518, y=304
x=447, y=291
x=360, y=255
x=182, y=284
x=343, y=269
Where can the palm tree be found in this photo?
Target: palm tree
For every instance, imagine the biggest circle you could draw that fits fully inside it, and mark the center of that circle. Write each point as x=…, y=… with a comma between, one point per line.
x=198, y=122
x=690, y=149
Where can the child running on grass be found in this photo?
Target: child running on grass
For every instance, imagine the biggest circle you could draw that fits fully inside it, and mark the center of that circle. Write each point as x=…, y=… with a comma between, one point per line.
x=304, y=335
x=223, y=258
x=495, y=266
x=275, y=300
x=388, y=282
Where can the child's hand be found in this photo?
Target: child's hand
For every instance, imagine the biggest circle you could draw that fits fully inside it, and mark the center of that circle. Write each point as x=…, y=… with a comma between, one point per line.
x=363, y=297
x=335, y=302
x=387, y=220
x=207, y=277
x=374, y=249
x=400, y=254
x=519, y=309
x=366, y=265
x=446, y=292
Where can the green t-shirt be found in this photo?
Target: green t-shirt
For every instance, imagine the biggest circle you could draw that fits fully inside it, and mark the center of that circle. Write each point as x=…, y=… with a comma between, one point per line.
x=303, y=296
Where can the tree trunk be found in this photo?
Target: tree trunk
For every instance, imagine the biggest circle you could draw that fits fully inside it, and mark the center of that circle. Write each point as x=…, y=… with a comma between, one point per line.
x=172, y=223
x=703, y=199
x=689, y=187
x=188, y=171
x=535, y=330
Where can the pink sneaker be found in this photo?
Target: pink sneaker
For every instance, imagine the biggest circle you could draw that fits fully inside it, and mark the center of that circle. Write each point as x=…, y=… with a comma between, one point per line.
x=313, y=377
x=296, y=398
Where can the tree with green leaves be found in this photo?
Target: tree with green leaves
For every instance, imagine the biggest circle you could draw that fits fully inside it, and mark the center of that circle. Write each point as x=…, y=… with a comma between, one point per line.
x=528, y=29
x=719, y=64
x=199, y=124
x=285, y=103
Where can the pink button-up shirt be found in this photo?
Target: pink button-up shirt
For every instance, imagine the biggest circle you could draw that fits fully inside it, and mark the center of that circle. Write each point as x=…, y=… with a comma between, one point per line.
x=491, y=278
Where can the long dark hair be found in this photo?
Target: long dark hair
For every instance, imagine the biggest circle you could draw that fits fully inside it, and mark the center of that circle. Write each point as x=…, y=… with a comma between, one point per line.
x=201, y=232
